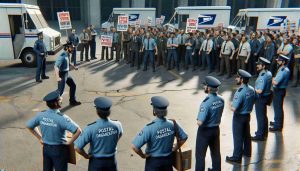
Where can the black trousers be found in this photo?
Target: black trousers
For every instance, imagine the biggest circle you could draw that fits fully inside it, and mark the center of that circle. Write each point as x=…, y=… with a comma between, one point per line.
x=66, y=79
x=181, y=53
x=93, y=49
x=261, y=116
x=104, y=50
x=208, y=137
x=134, y=56
x=159, y=163
x=103, y=164
x=241, y=135
x=55, y=157
x=86, y=49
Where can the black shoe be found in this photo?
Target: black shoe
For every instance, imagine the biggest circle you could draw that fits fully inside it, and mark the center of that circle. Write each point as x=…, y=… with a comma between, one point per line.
x=275, y=129
x=256, y=138
x=272, y=123
x=144, y=69
x=45, y=77
x=39, y=81
x=101, y=59
x=75, y=103
x=209, y=169
x=210, y=72
x=233, y=160
x=221, y=74
x=87, y=60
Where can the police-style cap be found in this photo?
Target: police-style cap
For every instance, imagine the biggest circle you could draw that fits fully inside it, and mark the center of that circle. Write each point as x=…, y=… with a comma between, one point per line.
x=263, y=61
x=283, y=58
x=39, y=33
x=244, y=74
x=103, y=103
x=211, y=82
x=53, y=96
x=159, y=102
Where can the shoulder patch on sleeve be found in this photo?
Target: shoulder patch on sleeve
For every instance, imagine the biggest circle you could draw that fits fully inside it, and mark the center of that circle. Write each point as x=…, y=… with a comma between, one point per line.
x=150, y=123
x=262, y=74
x=205, y=99
x=236, y=96
x=282, y=69
x=92, y=123
x=240, y=89
x=202, y=109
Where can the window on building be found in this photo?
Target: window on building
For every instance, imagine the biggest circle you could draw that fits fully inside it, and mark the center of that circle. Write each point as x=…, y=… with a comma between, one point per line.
x=107, y=8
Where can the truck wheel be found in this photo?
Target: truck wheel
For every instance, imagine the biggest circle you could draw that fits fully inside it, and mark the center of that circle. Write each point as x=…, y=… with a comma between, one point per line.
x=29, y=58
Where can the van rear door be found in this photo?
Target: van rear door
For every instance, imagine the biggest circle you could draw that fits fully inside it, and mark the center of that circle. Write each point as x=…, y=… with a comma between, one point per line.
x=7, y=51
x=15, y=19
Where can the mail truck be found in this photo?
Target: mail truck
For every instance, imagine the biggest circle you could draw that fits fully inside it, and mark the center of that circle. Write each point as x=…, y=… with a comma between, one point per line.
x=19, y=26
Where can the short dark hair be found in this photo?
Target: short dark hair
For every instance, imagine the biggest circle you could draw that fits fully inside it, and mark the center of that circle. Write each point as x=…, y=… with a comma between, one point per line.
x=51, y=104
x=103, y=114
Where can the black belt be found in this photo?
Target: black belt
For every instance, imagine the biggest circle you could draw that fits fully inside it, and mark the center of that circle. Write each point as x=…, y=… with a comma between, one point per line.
x=105, y=158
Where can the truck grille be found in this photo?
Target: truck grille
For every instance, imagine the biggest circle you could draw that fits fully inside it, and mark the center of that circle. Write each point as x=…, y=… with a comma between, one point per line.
x=57, y=41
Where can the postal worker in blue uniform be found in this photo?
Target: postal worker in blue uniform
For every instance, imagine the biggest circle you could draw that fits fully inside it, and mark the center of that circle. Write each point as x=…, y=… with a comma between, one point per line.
x=208, y=120
x=280, y=83
x=54, y=126
x=242, y=106
x=263, y=90
x=103, y=136
x=159, y=136
x=41, y=54
x=62, y=67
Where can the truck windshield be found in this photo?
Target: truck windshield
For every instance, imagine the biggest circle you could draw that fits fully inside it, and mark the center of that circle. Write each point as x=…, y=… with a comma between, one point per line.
x=239, y=21
x=37, y=18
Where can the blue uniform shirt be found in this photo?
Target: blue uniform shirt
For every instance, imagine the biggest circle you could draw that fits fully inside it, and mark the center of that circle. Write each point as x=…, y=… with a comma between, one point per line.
x=152, y=44
x=211, y=110
x=39, y=47
x=264, y=82
x=172, y=41
x=282, y=77
x=53, y=125
x=244, y=99
x=159, y=137
x=103, y=136
x=62, y=62
x=73, y=38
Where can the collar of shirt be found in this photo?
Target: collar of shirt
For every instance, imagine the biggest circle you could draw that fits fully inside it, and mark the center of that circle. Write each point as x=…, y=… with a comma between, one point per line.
x=159, y=120
x=261, y=72
x=100, y=120
x=212, y=95
x=54, y=110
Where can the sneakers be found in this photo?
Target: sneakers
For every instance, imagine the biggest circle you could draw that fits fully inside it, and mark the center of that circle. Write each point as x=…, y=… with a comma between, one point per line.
x=256, y=138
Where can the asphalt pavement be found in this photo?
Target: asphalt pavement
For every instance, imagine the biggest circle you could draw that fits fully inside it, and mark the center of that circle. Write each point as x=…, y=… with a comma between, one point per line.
x=131, y=90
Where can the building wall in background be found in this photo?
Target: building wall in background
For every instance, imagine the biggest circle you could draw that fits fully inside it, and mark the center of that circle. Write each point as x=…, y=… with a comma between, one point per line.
x=98, y=11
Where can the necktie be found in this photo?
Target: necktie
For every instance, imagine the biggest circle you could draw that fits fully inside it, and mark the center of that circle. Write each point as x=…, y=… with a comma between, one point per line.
x=113, y=37
x=84, y=36
x=224, y=46
x=181, y=39
x=206, y=45
x=148, y=44
x=241, y=48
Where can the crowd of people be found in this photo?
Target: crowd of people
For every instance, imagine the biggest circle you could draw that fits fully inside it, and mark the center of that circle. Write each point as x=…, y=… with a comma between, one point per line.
x=269, y=55
x=223, y=51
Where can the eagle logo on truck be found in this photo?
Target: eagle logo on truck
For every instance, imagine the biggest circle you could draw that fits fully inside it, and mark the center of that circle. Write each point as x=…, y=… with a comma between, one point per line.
x=206, y=19
x=133, y=17
x=276, y=21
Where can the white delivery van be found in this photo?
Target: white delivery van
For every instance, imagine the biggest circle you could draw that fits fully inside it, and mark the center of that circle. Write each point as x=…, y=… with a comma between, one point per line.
x=134, y=15
x=19, y=26
x=207, y=16
x=257, y=19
